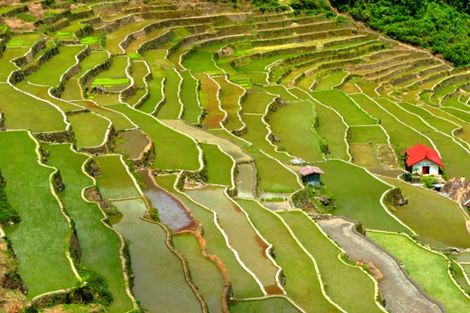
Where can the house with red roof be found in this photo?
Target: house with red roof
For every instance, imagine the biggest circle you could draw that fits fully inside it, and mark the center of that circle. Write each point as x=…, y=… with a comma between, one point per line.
x=423, y=160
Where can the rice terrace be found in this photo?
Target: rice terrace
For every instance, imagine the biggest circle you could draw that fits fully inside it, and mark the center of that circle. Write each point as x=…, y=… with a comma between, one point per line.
x=245, y=156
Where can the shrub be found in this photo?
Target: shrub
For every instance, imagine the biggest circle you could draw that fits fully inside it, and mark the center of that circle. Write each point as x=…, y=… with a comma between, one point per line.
x=7, y=213
x=428, y=181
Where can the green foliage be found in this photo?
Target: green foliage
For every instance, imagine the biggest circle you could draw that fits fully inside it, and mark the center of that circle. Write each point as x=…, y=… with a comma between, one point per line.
x=318, y=198
x=432, y=24
x=96, y=287
x=7, y=213
x=268, y=5
x=310, y=5
x=428, y=181
x=26, y=17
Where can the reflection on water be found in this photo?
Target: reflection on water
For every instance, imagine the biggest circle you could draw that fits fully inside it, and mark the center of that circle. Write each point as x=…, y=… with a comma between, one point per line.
x=171, y=212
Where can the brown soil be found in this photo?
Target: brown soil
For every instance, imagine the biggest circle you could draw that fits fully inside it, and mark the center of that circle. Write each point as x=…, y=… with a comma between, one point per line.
x=273, y=290
x=17, y=24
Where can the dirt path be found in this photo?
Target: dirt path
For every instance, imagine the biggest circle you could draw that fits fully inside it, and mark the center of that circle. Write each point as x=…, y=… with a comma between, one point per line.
x=400, y=294
x=200, y=135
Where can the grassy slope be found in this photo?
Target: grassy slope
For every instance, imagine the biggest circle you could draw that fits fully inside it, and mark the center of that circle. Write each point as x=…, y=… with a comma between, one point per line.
x=294, y=126
x=341, y=102
x=334, y=272
x=302, y=283
x=437, y=220
x=218, y=165
x=41, y=117
x=426, y=268
x=357, y=195
x=173, y=150
x=114, y=182
x=50, y=72
x=39, y=239
x=85, y=135
x=99, y=245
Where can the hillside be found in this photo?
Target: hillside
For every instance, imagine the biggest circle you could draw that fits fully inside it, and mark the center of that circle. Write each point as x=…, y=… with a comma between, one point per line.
x=230, y=156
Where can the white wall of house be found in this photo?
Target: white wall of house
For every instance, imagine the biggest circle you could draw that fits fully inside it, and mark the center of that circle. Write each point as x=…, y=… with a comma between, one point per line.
x=433, y=167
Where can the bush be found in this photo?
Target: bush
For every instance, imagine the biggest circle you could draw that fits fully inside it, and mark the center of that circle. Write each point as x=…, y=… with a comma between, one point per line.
x=7, y=213
x=428, y=181
x=431, y=24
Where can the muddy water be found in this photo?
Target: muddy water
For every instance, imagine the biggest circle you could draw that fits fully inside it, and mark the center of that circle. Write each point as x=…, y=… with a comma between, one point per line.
x=170, y=211
x=246, y=180
x=400, y=294
x=159, y=282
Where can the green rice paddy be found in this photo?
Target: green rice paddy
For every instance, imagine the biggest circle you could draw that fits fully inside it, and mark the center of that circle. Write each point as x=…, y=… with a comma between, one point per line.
x=222, y=106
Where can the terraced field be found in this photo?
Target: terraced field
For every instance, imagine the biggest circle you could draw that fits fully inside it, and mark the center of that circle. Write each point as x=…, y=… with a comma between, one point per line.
x=150, y=156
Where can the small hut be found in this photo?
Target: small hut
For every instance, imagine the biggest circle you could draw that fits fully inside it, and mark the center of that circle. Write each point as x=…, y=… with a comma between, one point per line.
x=311, y=175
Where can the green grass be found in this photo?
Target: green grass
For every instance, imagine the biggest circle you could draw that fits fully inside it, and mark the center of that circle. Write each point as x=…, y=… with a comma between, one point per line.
x=204, y=272
x=50, y=72
x=438, y=221
x=200, y=60
x=233, y=221
x=302, y=283
x=401, y=136
x=17, y=46
x=293, y=125
x=173, y=150
x=439, y=123
x=114, y=181
x=329, y=80
x=272, y=305
x=40, y=117
x=256, y=101
x=39, y=240
x=115, y=77
x=120, y=122
x=343, y=104
x=90, y=40
x=113, y=39
x=372, y=134
x=269, y=180
x=43, y=93
x=218, y=165
x=171, y=107
x=155, y=95
x=425, y=268
x=85, y=135
x=229, y=96
x=99, y=246
x=72, y=89
x=158, y=272
x=256, y=134
x=189, y=98
x=465, y=116
x=357, y=195
x=243, y=284
x=334, y=136
x=281, y=91
x=333, y=271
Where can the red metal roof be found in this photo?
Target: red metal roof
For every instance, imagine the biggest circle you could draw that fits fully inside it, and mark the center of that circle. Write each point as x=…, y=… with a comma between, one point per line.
x=420, y=152
x=309, y=170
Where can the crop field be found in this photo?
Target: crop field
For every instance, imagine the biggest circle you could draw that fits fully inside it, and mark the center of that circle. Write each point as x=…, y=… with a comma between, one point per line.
x=229, y=156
